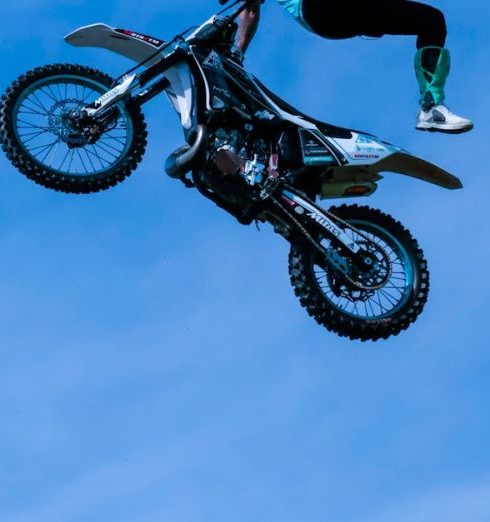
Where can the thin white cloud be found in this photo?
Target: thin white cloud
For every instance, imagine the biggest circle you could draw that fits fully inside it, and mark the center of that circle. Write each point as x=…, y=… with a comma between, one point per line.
x=466, y=502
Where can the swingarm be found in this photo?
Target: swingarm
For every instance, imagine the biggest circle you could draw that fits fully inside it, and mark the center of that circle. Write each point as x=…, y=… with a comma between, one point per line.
x=304, y=209
x=307, y=217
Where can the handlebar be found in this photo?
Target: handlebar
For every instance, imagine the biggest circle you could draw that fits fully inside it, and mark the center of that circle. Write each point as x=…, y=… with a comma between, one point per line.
x=244, y=3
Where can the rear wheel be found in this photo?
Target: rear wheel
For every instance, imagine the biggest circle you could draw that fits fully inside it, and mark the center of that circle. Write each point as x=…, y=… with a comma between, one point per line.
x=385, y=300
x=43, y=141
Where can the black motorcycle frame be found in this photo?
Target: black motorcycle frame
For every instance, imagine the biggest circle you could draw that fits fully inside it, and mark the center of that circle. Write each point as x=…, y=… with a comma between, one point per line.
x=220, y=31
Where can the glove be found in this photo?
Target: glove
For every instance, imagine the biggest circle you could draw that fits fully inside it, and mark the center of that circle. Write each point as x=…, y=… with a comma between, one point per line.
x=236, y=54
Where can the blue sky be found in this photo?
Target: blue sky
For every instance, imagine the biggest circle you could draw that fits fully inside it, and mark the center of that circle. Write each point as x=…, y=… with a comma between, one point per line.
x=155, y=364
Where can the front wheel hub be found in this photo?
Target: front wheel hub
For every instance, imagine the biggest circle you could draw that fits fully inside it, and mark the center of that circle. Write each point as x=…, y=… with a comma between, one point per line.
x=374, y=267
x=81, y=130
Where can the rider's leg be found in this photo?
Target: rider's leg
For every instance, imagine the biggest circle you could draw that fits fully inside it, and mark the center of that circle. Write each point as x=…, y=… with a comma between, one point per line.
x=398, y=17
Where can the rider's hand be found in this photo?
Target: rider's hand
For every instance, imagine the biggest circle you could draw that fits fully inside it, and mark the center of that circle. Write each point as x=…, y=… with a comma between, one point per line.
x=236, y=54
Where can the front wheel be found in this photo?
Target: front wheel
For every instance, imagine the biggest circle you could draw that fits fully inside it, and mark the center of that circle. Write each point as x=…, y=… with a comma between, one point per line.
x=394, y=296
x=38, y=134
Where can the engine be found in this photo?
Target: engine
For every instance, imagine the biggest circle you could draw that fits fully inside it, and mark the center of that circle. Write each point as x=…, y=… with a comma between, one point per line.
x=237, y=161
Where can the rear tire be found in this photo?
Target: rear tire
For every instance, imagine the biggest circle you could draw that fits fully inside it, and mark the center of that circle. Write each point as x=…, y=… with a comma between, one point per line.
x=18, y=153
x=321, y=301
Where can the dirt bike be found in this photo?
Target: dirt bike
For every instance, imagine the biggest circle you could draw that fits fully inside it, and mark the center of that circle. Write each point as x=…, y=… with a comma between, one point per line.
x=355, y=269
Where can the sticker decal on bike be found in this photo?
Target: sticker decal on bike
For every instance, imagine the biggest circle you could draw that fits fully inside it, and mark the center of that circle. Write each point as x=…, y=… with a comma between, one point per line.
x=156, y=42
x=213, y=61
x=362, y=147
x=264, y=115
x=368, y=146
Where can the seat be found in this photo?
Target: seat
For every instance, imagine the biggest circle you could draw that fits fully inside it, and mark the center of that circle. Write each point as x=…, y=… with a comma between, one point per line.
x=326, y=128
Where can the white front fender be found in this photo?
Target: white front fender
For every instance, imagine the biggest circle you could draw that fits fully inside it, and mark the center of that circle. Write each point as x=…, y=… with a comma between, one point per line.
x=135, y=46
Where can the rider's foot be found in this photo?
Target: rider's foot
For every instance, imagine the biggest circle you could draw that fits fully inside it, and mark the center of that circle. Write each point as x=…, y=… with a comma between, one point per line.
x=440, y=119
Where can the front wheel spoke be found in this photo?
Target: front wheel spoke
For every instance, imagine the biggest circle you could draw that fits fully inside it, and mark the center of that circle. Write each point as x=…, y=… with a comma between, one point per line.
x=33, y=134
x=29, y=110
x=53, y=88
x=32, y=138
x=34, y=109
x=29, y=125
x=99, y=159
x=41, y=148
x=64, y=159
x=87, y=96
x=83, y=92
x=122, y=141
x=32, y=98
x=81, y=160
x=71, y=159
x=41, y=104
x=53, y=146
x=58, y=86
x=114, y=156
x=89, y=159
x=49, y=93
x=110, y=147
x=112, y=136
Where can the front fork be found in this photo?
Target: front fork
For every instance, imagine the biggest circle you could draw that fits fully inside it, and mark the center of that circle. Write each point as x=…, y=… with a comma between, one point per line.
x=110, y=98
x=150, y=82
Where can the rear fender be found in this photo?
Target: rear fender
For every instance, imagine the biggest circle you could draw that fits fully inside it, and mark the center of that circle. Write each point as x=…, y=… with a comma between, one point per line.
x=404, y=163
x=366, y=153
x=362, y=180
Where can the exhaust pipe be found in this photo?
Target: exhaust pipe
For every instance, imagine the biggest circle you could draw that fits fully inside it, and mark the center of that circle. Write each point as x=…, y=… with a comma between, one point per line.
x=181, y=161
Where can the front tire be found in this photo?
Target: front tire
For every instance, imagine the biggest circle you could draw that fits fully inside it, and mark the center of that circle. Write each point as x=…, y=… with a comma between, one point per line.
x=36, y=138
x=352, y=313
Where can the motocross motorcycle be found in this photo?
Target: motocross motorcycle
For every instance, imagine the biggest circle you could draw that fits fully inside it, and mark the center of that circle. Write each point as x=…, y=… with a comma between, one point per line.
x=355, y=269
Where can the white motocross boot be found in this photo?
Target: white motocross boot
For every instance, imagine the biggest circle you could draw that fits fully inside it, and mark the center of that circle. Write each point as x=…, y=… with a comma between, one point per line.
x=432, y=65
x=440, y=119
